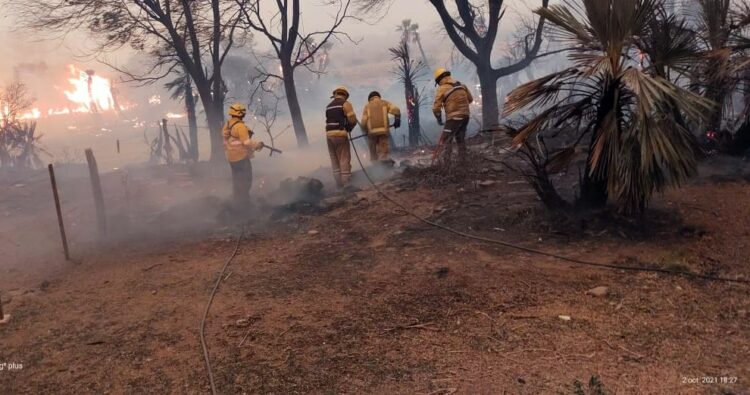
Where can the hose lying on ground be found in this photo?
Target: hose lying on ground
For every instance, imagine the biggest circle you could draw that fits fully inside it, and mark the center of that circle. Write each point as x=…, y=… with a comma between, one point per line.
x=208, y=307
x=684, y=273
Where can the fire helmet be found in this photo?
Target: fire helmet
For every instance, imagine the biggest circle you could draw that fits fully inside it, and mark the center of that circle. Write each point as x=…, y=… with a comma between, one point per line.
x=237, y=110
x=373, y=94
x=440, y=74
x=341, y=90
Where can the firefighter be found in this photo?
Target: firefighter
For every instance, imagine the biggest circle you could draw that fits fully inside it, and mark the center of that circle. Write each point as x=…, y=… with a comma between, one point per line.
x=340, y=121
x=455, y=98
x=239, y=147
x=376, y=125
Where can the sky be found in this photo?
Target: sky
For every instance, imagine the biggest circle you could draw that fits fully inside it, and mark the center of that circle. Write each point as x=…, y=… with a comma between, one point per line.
x=43, y=64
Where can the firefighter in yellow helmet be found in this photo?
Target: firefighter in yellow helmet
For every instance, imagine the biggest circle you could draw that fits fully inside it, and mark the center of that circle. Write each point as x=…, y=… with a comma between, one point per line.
x=455, y=98
x=340, y=121
x=239, y=147
x=377, y=127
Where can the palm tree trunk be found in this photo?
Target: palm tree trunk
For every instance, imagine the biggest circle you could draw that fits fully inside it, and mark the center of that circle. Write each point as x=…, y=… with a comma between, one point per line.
x=421, y=51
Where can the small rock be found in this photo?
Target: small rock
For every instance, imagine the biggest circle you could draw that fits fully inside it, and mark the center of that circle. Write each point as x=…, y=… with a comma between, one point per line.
x=398, y=233
x=486, y=183
x=242, y=322
x=312, y=232
x=598, y=291
x=153, y=292
x=521, y=380
x=564, y=317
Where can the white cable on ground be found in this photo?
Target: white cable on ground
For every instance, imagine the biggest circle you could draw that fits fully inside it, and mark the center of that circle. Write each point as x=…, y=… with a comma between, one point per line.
x=208, y=307
x=539, y=252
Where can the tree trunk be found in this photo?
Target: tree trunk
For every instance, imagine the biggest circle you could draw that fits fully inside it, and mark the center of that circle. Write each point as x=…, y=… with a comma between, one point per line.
x=490, y=108
x=415, y=121
x=410, y=113
x=294, y=108
x=215, y=120
x=594, y=192
x=192, y=119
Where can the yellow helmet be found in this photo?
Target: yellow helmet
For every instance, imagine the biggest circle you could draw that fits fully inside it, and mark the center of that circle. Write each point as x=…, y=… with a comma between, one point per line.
x=440, y=74
x=342, y=91
x=237, y=110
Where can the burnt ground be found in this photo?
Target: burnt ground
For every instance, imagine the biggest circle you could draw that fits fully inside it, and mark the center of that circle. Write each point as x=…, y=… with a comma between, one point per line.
x=365, y=299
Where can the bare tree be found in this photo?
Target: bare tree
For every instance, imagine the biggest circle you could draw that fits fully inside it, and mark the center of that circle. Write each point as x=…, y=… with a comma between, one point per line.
x=409, y=71
x=193, y=35
x=473, y=28
x=281, y=26
x=14, y=101
x=266, y=114
x=19, y=141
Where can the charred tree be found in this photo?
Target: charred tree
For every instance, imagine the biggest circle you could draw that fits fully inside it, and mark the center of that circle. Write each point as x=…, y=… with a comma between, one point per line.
x=408, y=72
x=182, y=89
x=474, y=35
x=281, y=26
x=180, y=34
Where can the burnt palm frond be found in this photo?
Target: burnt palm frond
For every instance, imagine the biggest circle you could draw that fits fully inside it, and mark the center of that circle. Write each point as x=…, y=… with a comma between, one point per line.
x=618, y=95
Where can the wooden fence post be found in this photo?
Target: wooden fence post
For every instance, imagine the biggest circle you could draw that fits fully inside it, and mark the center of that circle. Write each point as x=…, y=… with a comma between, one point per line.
x=167, y=143
x=96, y=187
x=59, y=213
x=118, y=146
x=3, y=318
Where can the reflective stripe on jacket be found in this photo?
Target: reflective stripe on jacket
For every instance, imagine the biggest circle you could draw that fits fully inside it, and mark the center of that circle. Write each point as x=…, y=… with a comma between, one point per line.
x=375, y=115
x=340, y=117
x=454, y=97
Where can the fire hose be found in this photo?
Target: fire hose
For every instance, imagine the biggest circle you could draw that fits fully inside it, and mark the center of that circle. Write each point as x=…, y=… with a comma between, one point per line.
x=204, y=346
x=684, y=273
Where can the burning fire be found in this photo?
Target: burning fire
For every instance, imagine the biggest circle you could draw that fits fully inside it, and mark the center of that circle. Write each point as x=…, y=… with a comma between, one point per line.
x=29, y=115
x=171, y=115
x=91, y=93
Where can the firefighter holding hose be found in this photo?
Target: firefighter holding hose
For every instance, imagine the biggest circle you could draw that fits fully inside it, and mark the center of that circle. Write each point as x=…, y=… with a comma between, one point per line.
x=239, y=147
x=340, y=121
x=455, y=98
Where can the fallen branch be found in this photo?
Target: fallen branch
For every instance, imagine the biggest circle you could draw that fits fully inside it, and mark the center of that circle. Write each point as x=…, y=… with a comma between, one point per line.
x=152, y=266
x=425, y=326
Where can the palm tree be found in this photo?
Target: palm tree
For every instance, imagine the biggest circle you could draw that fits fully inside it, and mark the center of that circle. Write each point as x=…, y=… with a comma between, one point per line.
x=614, y=98
x=181, y=88
x=409, y=71
x=720, y=27
x=410, y=33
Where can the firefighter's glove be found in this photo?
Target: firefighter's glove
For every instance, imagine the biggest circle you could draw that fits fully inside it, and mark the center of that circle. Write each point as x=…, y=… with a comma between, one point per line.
x=397, y=122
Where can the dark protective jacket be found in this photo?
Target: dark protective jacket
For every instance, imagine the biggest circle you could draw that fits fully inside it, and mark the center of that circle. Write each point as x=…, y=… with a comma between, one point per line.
x=340, y=117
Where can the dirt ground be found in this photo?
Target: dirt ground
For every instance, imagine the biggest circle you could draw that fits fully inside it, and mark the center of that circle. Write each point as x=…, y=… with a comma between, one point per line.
x=365, y=299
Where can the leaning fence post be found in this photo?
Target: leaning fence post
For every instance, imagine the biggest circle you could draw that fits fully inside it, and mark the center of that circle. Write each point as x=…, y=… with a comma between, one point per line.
x=96, y=187
x=59, y=211
x=3, y=318
x=167, y=143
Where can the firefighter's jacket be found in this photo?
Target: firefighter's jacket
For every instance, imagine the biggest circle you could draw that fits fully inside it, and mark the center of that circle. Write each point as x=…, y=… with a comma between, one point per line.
x=340, y=117
x=375, y=116
x=454, y=97
x=238, y=142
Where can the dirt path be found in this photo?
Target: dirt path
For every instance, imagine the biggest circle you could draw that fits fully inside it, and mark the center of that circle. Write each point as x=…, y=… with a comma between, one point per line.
x=366, y=300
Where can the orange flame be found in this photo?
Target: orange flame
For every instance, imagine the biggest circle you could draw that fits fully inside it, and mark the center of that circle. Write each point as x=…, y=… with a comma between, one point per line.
x=90, y=92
